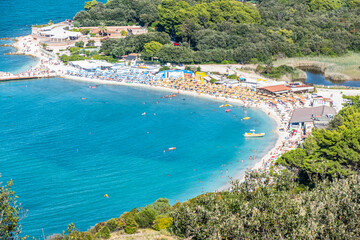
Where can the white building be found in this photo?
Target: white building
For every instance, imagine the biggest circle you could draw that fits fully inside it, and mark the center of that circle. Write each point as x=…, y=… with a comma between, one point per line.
x=57, y=33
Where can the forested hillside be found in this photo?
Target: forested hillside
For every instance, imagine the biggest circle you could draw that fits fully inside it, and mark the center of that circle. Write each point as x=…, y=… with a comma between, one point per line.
x=229, y=30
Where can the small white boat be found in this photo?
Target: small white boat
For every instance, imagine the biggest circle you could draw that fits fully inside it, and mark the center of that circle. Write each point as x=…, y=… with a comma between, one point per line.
x=253, y=134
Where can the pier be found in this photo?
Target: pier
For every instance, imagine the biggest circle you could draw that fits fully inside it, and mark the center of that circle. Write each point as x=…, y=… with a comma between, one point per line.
x=16, y=78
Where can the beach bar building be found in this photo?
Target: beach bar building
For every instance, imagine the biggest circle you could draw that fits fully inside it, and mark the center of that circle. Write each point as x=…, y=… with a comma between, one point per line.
x=285, y=88
x=308, y=118
x=274, y=90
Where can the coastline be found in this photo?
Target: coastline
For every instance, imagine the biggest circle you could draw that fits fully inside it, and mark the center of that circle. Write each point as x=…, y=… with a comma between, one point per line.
x=239, y=175
x=28, y=46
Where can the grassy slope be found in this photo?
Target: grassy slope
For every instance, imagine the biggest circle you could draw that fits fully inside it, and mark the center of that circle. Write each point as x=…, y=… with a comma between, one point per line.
x=146, y=234
x=335, y=68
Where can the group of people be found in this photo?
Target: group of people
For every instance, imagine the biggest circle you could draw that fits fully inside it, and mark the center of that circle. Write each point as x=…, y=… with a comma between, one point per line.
x=125, y=74
x=280, y=107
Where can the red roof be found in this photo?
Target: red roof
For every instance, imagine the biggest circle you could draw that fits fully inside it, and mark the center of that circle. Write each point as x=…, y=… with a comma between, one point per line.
x=276, y=88
x=300, y=86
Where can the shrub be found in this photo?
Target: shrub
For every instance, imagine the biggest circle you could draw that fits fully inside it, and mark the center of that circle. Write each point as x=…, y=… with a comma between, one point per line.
x=79, y=44
x=162, y=222
x=90, y=43
x=145, y=217
x=131, y=226
x=99, y=226
x=112, y=224
x=105, y=232
x=164, y=68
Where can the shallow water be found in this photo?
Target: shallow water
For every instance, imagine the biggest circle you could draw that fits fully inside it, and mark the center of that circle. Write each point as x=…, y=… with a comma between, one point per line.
x=64, y=152
x=14, y=63
x=319, y=79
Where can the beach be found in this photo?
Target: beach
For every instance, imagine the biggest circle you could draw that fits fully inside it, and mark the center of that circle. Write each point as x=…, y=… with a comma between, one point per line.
x=46, y=65
x=258, y=165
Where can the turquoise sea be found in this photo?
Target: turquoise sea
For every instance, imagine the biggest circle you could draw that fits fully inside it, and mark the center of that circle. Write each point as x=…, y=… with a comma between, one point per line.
x=65, y=153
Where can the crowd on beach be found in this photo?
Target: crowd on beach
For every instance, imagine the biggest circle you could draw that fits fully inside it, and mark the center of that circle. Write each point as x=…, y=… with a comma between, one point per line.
x=278, y=107
x=126, y=74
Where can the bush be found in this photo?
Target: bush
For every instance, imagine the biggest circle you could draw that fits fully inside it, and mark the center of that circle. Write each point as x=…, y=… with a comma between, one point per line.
x=79, y=44
x=232, y=77
x=90, y=43
x=146, y=217
x=164, y=68
x=162, y=222
x=105, y=232
x=131, y=226
x=112, y=224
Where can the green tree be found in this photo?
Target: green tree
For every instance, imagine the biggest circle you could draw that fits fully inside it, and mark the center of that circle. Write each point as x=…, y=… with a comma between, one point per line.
x=90, y=43
x=102, y=29
x=90, y=5
x=324, y=5
x=79, y=44
x=152, y=48
x=131, y=226
x=10, y=212
x=146, y=217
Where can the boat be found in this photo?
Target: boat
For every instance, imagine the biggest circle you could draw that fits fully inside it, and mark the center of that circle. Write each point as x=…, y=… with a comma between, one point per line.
x=172, y=148
x=221, y=106
x=228, y=105
x=253, y=134
x=227, y=110
x=246, y=118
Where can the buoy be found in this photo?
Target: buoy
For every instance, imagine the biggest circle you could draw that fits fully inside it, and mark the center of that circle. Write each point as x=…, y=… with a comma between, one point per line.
x=144, y=113
x=83, y=98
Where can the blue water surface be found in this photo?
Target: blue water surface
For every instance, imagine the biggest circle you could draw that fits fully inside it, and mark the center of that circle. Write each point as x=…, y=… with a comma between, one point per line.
x=65, y=153
x=319, y=79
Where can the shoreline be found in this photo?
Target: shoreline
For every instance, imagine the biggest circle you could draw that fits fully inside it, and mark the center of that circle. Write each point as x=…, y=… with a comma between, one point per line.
x=239, y=175
x=29, y=46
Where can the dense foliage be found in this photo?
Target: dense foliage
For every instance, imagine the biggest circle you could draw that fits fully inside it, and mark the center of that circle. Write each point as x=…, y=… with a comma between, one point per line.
x=10, y=212
x=271, y=207
x=265, y=206
x=132, y=43
x=155, y=215
x=229, y=30
x=274, y=72
x=118, y=12
x=330, y=153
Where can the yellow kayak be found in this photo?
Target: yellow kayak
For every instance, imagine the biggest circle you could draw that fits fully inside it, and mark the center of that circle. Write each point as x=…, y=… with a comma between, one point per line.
x=246, y=118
